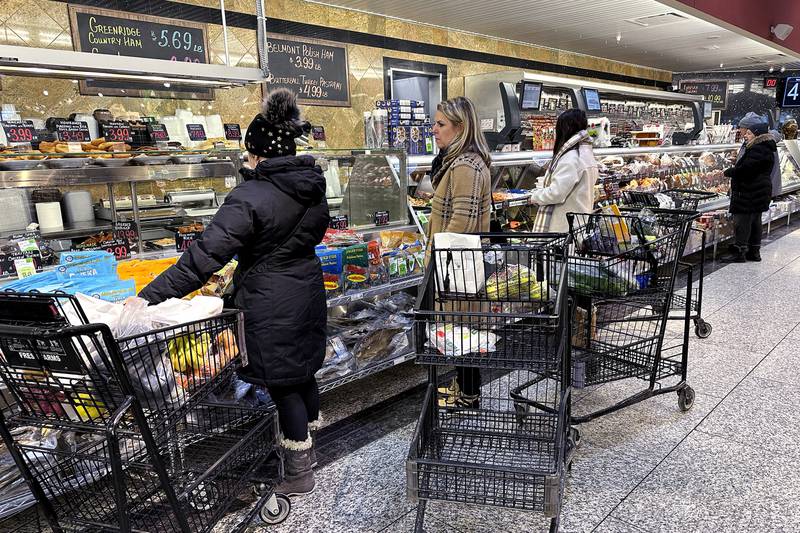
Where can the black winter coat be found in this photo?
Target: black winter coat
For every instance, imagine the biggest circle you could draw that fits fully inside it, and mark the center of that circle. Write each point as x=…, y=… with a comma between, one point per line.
x=751, y=177
x=283, y=298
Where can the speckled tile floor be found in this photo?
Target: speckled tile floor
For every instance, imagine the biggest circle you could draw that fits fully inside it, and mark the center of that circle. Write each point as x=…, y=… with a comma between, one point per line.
x=730, y=464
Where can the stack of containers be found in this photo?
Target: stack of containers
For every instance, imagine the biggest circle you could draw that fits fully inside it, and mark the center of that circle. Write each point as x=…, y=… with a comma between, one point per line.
x=409, y=125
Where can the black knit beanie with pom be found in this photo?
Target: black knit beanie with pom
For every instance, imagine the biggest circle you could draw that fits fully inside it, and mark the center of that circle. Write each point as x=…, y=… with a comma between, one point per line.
x=273, y=131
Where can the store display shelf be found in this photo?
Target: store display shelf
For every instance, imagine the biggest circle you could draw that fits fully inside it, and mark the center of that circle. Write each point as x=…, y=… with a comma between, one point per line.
x=375, y=291
x=371, y=368
x=96, y=175
x=718, y=203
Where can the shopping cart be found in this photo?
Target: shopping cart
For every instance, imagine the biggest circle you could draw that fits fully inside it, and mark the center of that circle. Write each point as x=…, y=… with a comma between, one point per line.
x=141, y=445
x=686, y=200
x=501, y=308
x=622, y=276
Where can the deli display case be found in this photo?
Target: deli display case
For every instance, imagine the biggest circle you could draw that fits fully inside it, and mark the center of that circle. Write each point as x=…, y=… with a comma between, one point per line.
x=619, y=115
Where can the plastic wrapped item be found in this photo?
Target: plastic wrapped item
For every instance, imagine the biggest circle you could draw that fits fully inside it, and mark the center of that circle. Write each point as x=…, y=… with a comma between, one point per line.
x=451, y=340
x=596, y=277
x=514, y=282
x=339, y=360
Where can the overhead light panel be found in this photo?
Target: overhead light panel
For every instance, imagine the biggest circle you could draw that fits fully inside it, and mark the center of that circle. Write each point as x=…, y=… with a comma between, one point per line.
x=26, y=61
x=660, y=19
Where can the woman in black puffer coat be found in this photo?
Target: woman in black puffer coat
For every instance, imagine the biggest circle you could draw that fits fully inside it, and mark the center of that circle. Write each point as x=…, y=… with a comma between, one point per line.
x=751, y=191
x=272, y=221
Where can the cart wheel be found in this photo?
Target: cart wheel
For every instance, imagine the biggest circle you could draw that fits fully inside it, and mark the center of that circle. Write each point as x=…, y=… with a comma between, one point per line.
x=204, y=497
x=703, y=329
x=686, y=398
x=275, y=512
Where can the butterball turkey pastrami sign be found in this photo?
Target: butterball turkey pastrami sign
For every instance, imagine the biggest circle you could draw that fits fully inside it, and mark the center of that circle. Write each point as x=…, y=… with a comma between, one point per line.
x=316, y=70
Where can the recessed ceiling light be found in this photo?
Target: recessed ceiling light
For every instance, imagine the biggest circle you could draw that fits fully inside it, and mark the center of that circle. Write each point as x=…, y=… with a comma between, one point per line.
x=783, y=69
x=619, y=37
x=721, y=65
x=771, y=70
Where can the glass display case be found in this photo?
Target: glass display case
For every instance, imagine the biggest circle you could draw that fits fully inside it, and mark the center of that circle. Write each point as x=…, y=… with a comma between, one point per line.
x=76, y=203
x=368, y=187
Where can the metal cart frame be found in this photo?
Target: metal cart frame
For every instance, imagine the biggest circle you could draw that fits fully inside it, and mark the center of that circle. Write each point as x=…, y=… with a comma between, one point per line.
x=149, y=454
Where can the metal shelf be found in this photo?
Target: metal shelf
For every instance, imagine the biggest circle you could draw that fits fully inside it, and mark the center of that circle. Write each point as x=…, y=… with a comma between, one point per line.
x=371, y=368
x=97, y=175
x=395, y=286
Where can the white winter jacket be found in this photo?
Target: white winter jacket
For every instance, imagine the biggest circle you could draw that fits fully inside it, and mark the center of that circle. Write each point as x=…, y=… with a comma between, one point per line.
x=571, y=187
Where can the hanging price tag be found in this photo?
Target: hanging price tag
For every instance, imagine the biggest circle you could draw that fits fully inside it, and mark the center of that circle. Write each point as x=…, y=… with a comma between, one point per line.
x=117, y=132
x=72, y=131
x=20, y=132
x=196, y=132
x=233, y=132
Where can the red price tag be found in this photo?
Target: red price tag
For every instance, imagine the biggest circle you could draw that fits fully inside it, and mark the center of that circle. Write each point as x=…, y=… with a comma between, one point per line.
x=119, y=249
x=71, y=131
x=196, y=132
x=158, y=132
x=118, y=132
x=20, y=132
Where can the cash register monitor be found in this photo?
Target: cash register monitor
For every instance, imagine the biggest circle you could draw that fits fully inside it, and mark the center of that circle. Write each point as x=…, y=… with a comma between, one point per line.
x=530, y=96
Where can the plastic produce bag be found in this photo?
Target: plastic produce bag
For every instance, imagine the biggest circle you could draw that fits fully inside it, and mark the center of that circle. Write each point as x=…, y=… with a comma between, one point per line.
x=451, y=340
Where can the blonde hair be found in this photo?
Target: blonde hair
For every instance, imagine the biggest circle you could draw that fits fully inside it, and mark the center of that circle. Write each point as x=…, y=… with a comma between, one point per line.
x=461, y=111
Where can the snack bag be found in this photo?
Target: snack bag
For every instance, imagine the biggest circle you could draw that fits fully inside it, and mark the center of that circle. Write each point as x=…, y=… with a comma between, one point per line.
x=356, y=267
x=378, y=273
x=332, y=270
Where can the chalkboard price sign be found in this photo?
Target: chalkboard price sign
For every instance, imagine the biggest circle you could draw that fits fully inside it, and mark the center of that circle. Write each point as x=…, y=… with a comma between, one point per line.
x=158, y=132
x=715, y=92
x=73, y=132
x=103, y=31
x=20, y=132
x=196, y=132
x=233, y=132
x=316, y=70
x=117, y=131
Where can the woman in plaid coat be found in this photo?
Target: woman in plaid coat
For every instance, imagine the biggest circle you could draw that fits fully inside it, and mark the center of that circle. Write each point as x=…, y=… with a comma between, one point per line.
x=461, y=204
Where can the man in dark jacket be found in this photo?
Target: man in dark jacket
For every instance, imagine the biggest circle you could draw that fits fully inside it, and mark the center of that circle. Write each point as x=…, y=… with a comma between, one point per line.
x=751, y=189
x=272, y=221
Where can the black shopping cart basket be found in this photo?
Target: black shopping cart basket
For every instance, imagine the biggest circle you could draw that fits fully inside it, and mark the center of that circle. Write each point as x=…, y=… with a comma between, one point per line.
x=142, y=447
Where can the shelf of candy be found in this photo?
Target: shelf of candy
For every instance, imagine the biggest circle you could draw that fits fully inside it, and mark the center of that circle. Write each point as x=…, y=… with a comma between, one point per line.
x=541, y=129
x=354, y=269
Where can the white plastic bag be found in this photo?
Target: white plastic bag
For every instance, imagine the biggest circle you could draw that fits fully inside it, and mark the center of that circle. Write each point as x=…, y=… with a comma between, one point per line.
x=174, y=311
x=459, y=263
x=451, y=340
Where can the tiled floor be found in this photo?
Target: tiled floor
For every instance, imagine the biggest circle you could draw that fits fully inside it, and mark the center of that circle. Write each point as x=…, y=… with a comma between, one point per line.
x=732, y=463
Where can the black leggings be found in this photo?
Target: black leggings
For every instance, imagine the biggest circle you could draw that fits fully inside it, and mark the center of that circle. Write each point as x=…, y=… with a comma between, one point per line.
x=297, y=406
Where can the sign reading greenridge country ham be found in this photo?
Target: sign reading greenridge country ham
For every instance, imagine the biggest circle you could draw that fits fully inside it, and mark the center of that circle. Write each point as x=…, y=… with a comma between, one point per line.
x=316, y=70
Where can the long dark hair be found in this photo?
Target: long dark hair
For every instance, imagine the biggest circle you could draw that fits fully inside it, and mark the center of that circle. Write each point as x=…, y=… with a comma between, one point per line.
x=568, y=124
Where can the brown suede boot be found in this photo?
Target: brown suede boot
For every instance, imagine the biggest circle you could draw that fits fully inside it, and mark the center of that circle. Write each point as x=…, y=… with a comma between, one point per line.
x=298, y=476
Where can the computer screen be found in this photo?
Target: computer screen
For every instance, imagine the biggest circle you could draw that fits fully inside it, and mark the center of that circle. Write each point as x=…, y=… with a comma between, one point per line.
x=592, y=98
x=791, y=93
x=531, y=96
